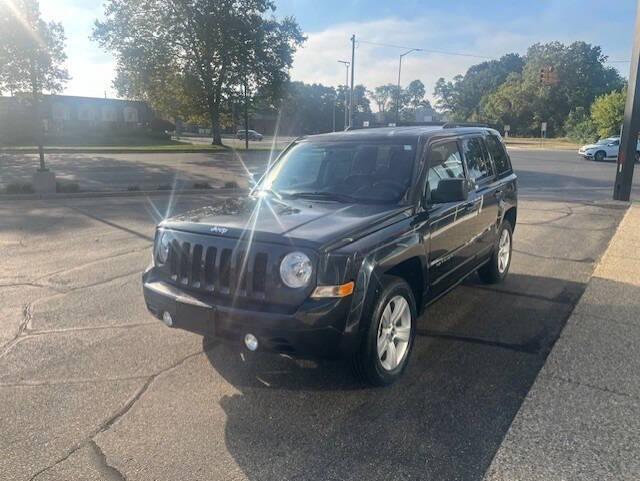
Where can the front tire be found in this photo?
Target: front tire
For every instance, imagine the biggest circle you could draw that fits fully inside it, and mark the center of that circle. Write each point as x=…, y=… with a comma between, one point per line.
x=387, y=341
x=497, y=268
x=600, y=155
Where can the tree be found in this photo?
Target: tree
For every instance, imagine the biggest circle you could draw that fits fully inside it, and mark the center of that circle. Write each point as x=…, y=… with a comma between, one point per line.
x=524, y=102
x=414, y=94
x=383, y=96
x=200, y=52
x=31, y=56
x=579, y=126
x=607, y=112
x=462, y=97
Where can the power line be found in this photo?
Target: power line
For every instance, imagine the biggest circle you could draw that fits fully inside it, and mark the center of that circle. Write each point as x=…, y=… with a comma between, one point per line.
x=458, y=54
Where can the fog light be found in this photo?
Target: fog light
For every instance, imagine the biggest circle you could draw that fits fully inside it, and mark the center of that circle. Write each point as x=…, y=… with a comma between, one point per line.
x=167, y=319
x=251, y=342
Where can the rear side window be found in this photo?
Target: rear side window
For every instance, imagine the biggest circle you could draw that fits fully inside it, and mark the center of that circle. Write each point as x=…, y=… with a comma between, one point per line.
x=478, y=163
x=445, y=162
x=498, y=154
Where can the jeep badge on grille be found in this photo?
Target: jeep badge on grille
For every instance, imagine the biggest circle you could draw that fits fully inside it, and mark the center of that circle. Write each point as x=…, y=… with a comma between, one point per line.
x=219, y=230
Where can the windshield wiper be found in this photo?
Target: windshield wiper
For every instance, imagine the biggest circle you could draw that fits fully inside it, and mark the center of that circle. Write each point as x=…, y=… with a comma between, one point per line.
x=323, y=196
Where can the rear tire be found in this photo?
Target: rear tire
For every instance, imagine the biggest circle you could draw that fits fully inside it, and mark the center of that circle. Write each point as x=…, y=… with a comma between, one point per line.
x=387, y=340
x=497, y=268
x=600, y=155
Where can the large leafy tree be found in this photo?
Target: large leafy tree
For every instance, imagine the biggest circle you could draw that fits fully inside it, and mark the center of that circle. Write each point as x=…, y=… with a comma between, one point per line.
x=32, y=56
x=190, y=56
x=462, y=96
x=384, y=97
x=607, y=112
x=524, y=101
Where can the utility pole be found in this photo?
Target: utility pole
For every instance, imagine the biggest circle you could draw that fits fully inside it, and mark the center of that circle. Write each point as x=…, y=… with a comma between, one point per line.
x=631, y=124
x=335, y=101
x=398, y=91
x=353, y=69
x=346, y=94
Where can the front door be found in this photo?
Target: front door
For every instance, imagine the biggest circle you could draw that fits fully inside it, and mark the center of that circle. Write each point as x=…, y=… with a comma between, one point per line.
x=448, y=223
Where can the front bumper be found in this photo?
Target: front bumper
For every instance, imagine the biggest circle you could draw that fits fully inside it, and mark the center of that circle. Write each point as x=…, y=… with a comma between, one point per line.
x=315, y=330
x=586, y=155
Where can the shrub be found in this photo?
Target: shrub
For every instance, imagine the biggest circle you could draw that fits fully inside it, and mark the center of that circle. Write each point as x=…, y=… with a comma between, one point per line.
x=67, y=187
x=19, y=188
x=579, y=127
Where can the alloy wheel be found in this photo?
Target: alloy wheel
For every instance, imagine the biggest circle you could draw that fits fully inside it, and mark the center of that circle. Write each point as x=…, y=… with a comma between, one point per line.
x=394, y=333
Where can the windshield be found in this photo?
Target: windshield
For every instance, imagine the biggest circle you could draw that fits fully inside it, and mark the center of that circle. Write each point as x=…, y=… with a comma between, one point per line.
x=344, y=171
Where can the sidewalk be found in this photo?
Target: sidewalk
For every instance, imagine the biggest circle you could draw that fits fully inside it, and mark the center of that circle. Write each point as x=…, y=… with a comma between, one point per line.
x=581, y=418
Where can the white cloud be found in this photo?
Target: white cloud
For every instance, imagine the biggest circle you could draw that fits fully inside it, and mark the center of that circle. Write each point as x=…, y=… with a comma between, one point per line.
x=92, y=70
x=375, y=65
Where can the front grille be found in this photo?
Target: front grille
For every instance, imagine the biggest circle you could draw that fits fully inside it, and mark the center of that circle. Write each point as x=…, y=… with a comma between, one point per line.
x=223, y=270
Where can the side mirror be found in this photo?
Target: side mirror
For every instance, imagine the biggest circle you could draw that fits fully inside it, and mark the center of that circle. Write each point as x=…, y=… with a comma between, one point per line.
x=450, y=190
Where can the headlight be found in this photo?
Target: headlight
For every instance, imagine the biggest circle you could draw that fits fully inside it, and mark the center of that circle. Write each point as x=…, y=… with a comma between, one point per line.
x=295, y=269
x=162, y=248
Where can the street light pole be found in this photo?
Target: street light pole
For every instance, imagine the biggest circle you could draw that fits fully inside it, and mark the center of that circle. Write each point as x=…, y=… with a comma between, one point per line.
x=346, y=92
x=399, y=73
x=353, y=68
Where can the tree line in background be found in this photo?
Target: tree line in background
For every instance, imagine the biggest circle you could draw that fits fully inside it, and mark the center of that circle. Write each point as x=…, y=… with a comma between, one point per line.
x=584, y=100
x=205, y=60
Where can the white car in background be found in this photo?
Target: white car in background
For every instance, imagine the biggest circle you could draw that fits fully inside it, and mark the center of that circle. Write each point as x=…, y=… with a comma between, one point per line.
x=604, y=149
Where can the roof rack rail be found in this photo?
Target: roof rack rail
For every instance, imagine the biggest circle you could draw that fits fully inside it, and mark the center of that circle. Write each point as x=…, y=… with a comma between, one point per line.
x=453, y=125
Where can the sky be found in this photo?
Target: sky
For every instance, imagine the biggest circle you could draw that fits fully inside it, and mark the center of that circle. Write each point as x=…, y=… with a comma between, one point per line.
x=476, y=29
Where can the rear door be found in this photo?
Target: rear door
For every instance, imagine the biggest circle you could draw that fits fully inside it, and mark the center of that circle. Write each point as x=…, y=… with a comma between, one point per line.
x=484, y=195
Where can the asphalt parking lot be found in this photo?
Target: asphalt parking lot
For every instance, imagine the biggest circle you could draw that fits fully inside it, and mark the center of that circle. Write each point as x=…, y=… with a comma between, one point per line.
x=93, y=387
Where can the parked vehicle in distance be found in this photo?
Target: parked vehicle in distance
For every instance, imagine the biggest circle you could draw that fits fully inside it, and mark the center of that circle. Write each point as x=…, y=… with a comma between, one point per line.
x=342, y=245
x=604, y=149
x=253, y=135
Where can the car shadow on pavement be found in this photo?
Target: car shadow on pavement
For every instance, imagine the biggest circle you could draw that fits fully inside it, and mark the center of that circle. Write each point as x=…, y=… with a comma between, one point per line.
x=477, y=353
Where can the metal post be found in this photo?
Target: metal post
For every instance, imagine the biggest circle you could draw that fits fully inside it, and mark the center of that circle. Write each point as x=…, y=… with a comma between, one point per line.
x=246, y=117
x=353, y=68
x=346, y=92
x=398, y=91
x=631, y=124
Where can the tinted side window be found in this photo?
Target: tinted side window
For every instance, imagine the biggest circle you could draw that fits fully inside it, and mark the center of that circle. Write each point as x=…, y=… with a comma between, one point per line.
x=445, y=162
x=478, y=164
x=498, y=154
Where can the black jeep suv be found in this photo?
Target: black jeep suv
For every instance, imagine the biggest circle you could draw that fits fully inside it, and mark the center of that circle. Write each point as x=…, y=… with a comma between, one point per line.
x=341, y=245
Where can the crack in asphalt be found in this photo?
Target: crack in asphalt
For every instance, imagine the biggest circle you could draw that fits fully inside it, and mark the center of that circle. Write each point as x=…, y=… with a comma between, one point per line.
x=65, y=382
x=27, y=314
x=120, y=413
x=568, y=380
x=95, y=261
x=533, y=346
x=100, y=459
x=584, y=260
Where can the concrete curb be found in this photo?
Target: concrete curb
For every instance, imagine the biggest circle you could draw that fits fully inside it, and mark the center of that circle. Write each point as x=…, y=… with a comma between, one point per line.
x=124, y=193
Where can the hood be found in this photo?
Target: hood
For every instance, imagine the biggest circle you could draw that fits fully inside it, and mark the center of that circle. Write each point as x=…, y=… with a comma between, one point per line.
x=296, y=221
x=591, y=146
